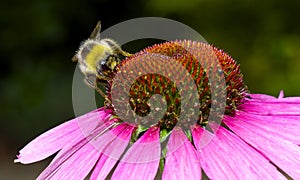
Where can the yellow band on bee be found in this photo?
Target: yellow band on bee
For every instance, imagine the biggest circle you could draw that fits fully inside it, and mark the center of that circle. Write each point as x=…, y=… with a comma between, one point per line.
x=97, y=53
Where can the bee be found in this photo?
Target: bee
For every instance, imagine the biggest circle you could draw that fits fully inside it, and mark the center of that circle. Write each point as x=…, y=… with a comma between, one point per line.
x=98, y=58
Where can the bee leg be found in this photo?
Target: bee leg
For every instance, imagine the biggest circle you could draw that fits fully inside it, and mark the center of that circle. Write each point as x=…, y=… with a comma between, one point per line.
x=107, y=100
x=116, y=47
x=124, y=53
x=90, y=80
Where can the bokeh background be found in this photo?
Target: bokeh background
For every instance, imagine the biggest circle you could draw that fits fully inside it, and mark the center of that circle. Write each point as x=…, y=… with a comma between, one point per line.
x=39, y=37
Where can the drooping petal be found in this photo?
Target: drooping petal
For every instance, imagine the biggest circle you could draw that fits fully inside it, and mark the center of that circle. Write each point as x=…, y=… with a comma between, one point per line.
x=77, y=166
x=55, y=139
x=67, y=160
x=93, y=120
x=181, y=160
x=48, y=143
x=142, y=160
x=225, y=156
x=286, y=127
x=111, y=154
x=282, y=106
x=283, y=153
x=70, y=148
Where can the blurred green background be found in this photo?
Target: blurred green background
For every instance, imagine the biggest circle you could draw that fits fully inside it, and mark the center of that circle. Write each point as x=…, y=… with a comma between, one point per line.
x=39, y=37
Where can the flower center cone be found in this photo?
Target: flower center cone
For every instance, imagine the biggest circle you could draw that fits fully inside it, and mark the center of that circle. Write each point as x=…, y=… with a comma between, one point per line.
x=171, y=84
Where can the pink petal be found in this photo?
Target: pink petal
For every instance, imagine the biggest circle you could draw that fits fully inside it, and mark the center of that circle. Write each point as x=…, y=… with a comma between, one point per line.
x=281, y=152
x=227, y=157
x=281, y=94
x=93, y=120
x=113, y=151
x=84, y=149
x=142, y=159
x=48, y=143
x=283, y=106
x=286, y=127
x=261, y=96
x=77, y=166
x=70, y=148
x=268, y=98
x=265, y=96
x=55, y=139
x=290, y=100
x=181, y=159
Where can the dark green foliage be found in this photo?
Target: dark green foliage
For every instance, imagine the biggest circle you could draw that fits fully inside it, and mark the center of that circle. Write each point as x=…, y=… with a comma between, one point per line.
x=38, y=39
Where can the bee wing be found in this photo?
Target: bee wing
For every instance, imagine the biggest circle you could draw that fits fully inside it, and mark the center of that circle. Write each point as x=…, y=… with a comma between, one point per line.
x=94, y=35
x=96, y=32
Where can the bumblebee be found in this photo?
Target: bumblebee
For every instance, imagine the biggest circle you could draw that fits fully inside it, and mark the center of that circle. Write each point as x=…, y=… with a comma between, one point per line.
x=98, y=58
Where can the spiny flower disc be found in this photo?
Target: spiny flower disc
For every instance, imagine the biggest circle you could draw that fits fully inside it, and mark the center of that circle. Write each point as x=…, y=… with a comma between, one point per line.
x=145, y=87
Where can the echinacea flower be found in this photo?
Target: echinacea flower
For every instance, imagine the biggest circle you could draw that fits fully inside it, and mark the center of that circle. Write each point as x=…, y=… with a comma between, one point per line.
x=258, y=136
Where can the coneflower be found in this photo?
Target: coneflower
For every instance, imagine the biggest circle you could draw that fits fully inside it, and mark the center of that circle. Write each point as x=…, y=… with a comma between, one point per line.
x=152, y=127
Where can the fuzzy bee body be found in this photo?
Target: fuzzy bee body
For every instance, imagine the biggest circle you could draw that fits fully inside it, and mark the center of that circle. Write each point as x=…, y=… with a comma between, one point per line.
x=98, y=58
